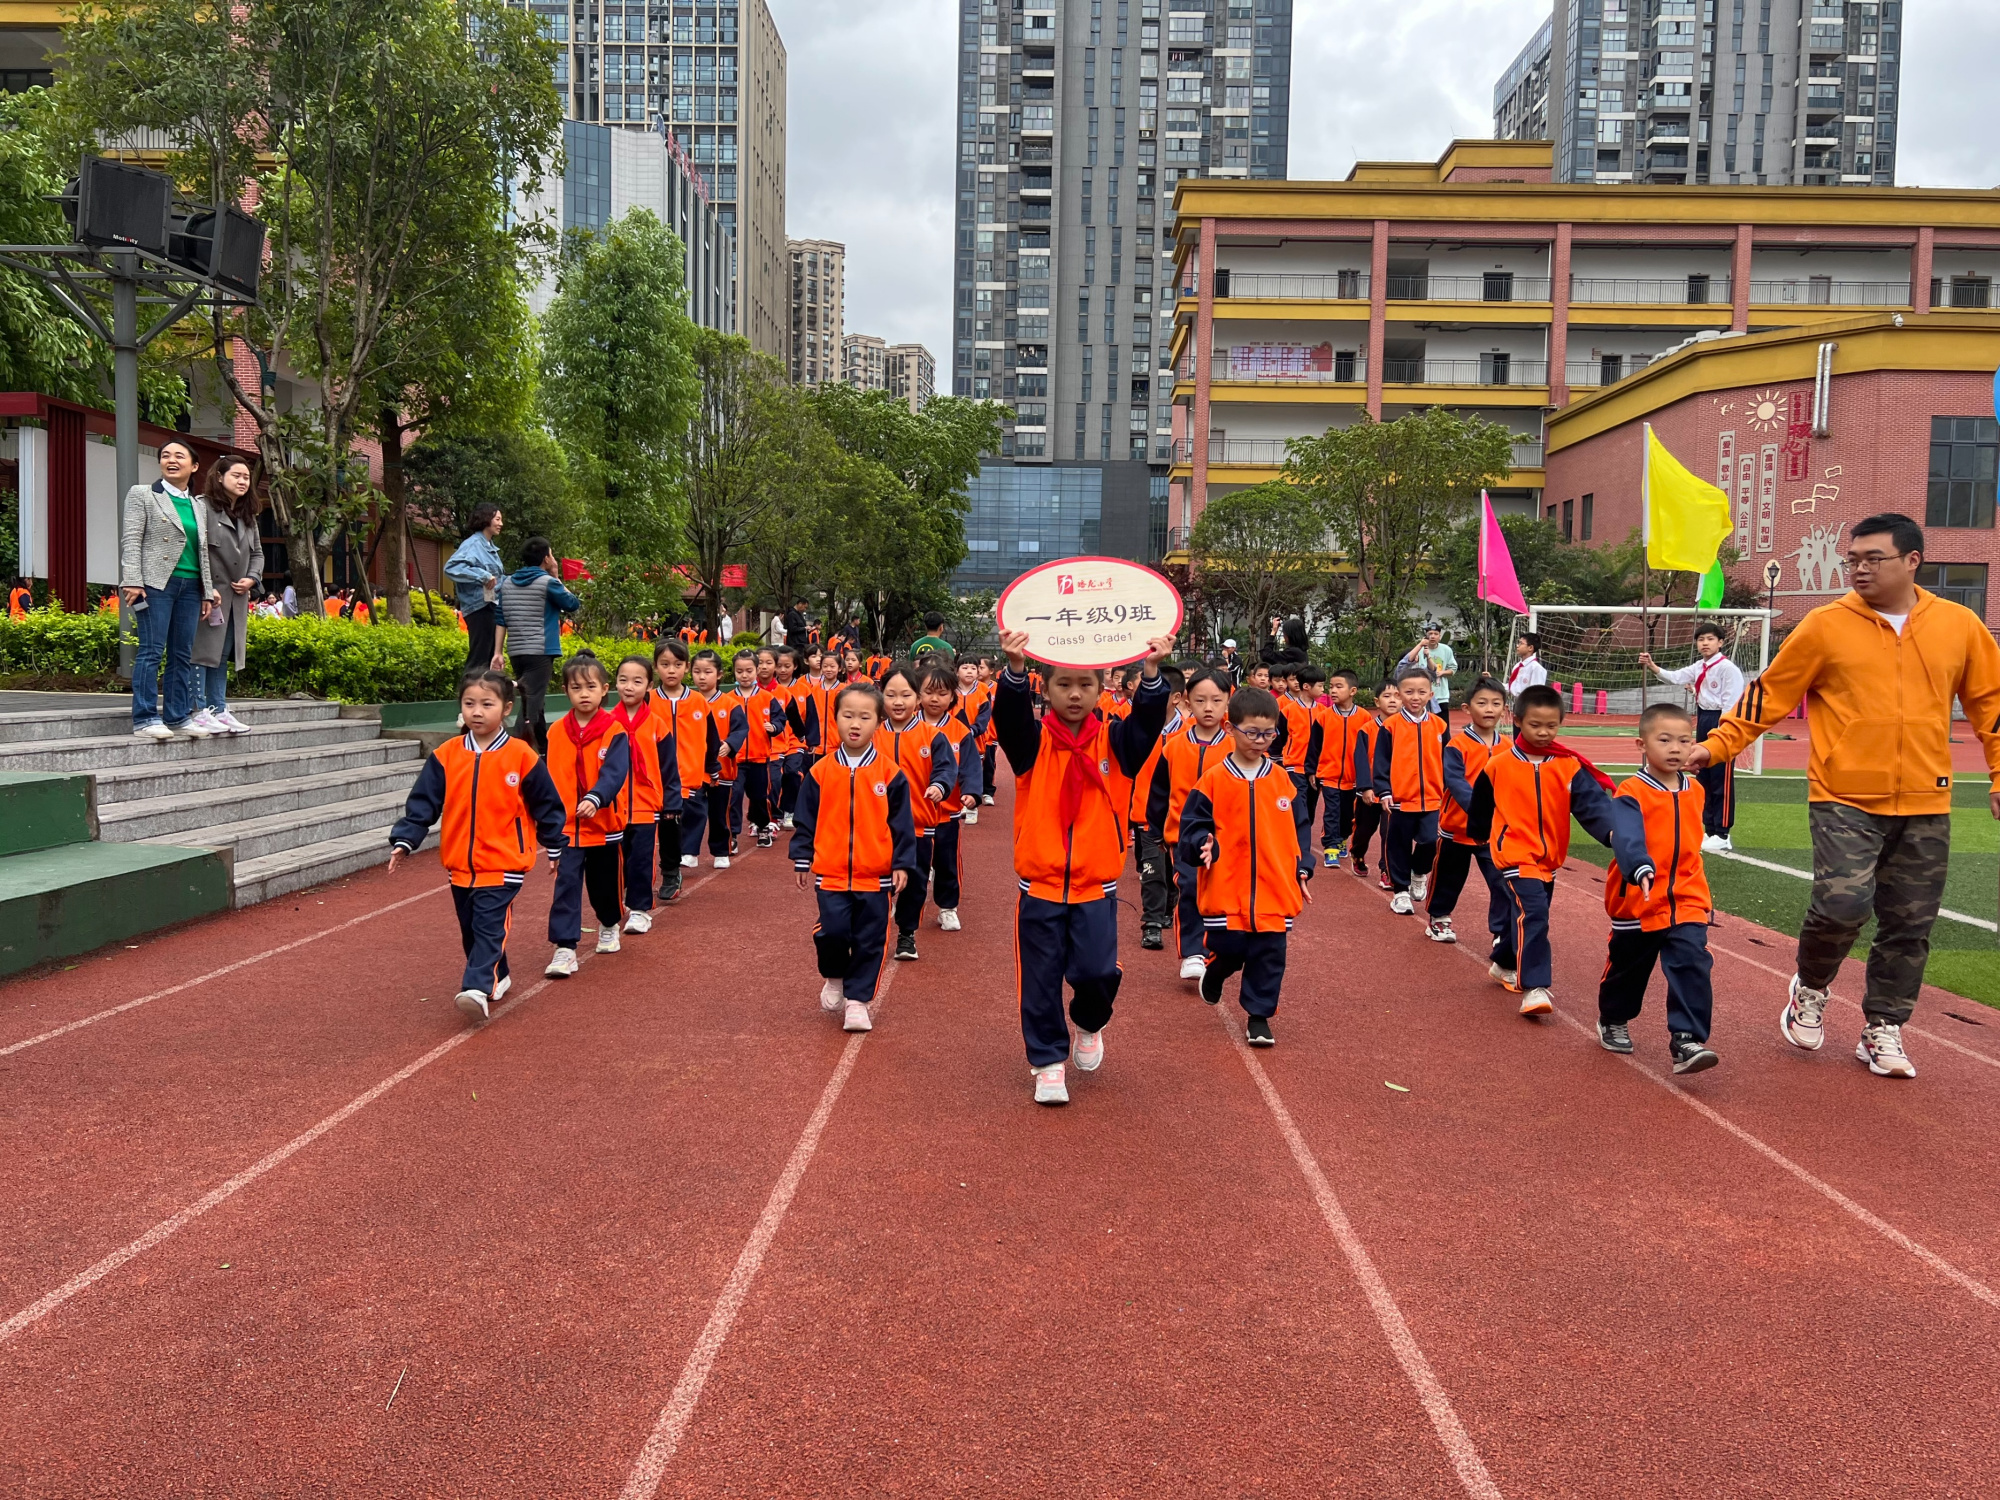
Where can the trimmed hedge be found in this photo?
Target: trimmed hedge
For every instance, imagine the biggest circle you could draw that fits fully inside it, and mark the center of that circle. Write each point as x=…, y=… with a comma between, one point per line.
x=323, y=658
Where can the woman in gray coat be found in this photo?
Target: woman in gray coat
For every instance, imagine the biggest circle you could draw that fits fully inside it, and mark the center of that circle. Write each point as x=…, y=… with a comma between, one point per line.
x=236, y=563
x=163, y=576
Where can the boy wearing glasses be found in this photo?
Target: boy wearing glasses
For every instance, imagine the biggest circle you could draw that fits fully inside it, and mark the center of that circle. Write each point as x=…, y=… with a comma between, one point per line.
x=1244, y=830
x=1880, y=668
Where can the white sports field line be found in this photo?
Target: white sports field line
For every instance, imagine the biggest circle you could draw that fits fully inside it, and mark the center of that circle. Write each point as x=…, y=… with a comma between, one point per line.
x=665, y=1439
x=1457, y=1442
x=1798, y=874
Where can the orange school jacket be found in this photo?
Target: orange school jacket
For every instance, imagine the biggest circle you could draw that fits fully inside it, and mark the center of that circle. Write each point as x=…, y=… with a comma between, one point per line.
x=1183, y=760
x=1672, y=816
x=654, y=785
x=1112, y=706
x=1077, y=858
x=787, y=740
x=975, y=707
x=925, y=755
x=968, y=770
x=1409, y=761
x=1465, y=756
x=852, y=827
x=497, y=805
x=1141, y=798
x=598, y=763
x=691, y=724
x=1522, y=806
x=763, y=719
x=1256, y=882
x=1298, y=731
x=1337, y=736
x=1878, y=703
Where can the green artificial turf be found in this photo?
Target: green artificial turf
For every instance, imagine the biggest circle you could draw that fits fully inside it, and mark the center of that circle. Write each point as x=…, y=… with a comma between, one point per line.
x=1771, y=825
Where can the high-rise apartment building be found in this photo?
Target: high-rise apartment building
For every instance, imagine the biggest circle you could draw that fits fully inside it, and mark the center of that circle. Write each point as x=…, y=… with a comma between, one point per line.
x=711, y=73
x=864, y=362
x=1075, y=122
x=910, y=374
x=1779, y=92
x=818, y=311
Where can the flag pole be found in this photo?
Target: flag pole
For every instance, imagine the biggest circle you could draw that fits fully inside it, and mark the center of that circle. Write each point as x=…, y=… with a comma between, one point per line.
x=1485, y=604
x=1645, y=554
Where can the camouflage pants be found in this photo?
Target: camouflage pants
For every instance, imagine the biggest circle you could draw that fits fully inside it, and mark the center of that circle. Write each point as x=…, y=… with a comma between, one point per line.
x=1890, y=868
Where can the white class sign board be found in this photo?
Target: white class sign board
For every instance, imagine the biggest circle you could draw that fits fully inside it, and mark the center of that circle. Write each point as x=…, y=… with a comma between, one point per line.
x=1090, y=611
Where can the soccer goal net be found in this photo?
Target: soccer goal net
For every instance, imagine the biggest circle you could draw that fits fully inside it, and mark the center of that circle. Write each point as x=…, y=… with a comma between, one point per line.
x=1592, y=652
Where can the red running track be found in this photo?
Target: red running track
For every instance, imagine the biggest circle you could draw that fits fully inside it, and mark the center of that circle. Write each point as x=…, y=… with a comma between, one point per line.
x=663, y=1229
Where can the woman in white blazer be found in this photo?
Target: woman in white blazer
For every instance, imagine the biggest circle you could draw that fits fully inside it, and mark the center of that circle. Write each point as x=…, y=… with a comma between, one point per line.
x=163, y=574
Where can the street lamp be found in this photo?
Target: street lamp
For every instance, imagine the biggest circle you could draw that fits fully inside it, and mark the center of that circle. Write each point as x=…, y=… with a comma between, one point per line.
x=135, y=235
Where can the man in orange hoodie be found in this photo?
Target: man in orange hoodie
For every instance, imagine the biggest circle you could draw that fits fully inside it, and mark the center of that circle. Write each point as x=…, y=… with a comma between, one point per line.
x=1878, y=669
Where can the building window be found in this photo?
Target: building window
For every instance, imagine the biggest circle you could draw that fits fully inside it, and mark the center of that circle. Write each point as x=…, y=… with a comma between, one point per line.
x=1589, y=506
x=1569, y=520
x=1965, y=460
x=1961, y=583
x=1971, y=291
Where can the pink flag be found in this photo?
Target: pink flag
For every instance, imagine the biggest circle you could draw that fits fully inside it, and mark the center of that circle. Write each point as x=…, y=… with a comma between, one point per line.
x=1497, y=581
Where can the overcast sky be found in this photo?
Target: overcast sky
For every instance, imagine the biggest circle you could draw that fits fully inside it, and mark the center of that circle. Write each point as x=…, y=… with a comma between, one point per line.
x=870, y=128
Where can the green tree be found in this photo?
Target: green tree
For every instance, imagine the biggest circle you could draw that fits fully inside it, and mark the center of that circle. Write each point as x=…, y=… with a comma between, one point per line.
x=620, y=387
x=1260, y=552
x=380, y=140
x=1392, y=493
x=799, y=527
x=520, y=470
x=745, y=426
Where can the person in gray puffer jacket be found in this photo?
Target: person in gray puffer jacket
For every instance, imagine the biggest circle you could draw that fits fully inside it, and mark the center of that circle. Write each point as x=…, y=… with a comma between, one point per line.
x=532, y=603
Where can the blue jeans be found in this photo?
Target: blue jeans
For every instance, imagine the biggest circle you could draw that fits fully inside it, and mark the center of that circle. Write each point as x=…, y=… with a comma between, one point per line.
x=166, y=630
x=212, y=690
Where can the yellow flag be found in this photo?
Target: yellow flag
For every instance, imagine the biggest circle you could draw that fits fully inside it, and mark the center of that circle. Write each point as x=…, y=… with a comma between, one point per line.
x=1686, y=519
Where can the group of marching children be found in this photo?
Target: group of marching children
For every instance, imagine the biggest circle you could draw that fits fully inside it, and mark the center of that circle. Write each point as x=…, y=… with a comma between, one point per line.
x=655, y=757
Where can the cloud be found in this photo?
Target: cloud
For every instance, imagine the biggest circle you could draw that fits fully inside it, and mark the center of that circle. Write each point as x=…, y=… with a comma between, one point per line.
x=872, y=126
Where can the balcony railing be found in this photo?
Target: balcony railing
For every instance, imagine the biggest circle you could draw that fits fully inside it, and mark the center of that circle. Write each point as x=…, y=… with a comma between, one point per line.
x=1823, y=292
x=1682, y=290
x=1333, y=286
x=1590, y=374
x=1527, y=453
x=1266, y=453
x=1281, y=367
x=1485, y=371
x=1491, y=287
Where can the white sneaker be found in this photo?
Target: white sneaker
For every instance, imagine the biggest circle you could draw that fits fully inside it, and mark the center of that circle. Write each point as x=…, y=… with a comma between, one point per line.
x=690, y=862
x=1420, y=887
x=1537, y=1002
x=500, y=990
x=1717, y=843
x=472, y=1005
x=1193, y=968
x=1050, y=1087
x=857, y=1018
x=607, y=938
x=971, y=816
x=153, y=731
x=948, y=919
x=987, y=800
x=1803, y=1022
x=788, y=820
x=721, y=861
x=563, y=965
x=1882, y=1049
x=1509, y=978
x=1088, y=1053
x=1438, y=930
x=229, y=722
x=198, y=727
x=205, y=718
x=1402, y=905
x=638, y=921
x=832, y=995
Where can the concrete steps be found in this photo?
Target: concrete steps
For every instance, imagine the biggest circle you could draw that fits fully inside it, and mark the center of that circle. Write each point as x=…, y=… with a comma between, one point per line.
x=306, y=797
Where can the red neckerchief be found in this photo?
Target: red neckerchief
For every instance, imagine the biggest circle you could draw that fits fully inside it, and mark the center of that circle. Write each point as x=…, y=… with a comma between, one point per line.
x=631, y=719
x=1082, y=769
x=582, y=734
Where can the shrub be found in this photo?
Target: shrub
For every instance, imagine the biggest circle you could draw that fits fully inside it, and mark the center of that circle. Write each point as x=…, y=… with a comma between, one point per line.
x=53, y=643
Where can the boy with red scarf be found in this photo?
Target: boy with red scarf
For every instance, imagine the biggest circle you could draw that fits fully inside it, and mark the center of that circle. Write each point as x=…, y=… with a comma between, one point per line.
x=589, y=759
x=1071, y=773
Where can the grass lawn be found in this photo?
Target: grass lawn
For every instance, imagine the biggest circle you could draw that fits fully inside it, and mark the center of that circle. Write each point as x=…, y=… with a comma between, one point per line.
x=1771, y=825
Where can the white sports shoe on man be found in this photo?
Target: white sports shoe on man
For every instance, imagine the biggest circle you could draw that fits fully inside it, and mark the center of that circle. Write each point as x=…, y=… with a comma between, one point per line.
x=1420, y=887
x=690, y=862
x=1537, y=1002
x=832, y=995
x=1717, y=843
x=638, y=921
x=1193, y=968
x=500, y=990
x=721, y=861
x=948, y=919
x=1506, y=978
x=472, y=1005
x=607, y=938
x=563, y=965
x=1882, y=1049
x=1088, y=1053
x=1402, y=905
x=1803, y=1022
x=1050, y=1086
x=857, y=1018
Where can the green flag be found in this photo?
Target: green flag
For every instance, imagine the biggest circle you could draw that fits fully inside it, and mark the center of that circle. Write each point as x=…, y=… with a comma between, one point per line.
x=1711, y=589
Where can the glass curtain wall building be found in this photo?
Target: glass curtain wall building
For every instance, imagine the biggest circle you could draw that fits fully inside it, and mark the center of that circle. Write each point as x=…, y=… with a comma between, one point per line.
x=1075, y=120
x=1775, y=92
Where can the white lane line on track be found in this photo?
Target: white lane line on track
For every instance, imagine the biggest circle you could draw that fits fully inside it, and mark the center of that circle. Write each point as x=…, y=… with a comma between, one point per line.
x=214, y=974
x=665, y=1440
x=1797, y=874
x=167, y=1228
x=1457, y=1442
x=1832, y=1194
x=1929, y=1036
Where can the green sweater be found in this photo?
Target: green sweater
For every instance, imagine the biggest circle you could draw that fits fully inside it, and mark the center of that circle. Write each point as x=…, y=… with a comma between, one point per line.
x=190, y=564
